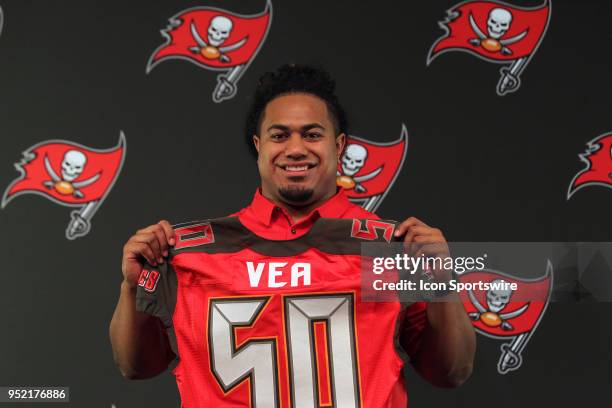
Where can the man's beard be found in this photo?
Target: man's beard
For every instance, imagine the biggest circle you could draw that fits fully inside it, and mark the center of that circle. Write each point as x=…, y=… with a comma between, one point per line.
x=296, y=194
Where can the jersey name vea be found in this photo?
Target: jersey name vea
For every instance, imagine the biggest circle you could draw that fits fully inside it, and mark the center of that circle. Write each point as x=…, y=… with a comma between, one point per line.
x=266, y=324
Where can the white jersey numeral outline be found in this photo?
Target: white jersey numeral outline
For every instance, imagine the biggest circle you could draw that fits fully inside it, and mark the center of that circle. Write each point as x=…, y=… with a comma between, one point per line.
x=256, y=359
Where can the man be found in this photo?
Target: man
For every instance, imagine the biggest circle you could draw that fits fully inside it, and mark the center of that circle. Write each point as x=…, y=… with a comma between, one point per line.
x=263, y=307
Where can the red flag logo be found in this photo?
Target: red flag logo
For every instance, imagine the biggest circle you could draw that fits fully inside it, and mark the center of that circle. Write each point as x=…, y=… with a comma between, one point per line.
x=505, y=314
x=215, y=39
x=367, y=170
x=496, y=32
x=69, y=174
x=598, y=171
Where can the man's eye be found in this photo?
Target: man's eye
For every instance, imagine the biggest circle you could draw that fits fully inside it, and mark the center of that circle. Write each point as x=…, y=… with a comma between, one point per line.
x=312, y=135
x=277, y=136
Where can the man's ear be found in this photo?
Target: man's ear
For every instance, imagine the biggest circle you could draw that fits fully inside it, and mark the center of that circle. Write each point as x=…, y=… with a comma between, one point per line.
x=340, y=143
x=256, y=142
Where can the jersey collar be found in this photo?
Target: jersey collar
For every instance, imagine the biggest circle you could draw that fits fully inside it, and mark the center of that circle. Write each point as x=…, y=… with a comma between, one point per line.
x=334, y=207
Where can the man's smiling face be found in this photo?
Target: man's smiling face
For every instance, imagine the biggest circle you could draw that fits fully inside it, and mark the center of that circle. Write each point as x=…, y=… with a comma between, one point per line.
x=298, y=150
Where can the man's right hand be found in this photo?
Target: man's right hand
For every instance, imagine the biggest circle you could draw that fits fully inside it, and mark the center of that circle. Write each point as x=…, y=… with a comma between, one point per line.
x=150, y=244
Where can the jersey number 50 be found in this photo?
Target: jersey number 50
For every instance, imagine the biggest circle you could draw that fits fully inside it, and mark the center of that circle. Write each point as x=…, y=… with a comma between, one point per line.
x=257, y=358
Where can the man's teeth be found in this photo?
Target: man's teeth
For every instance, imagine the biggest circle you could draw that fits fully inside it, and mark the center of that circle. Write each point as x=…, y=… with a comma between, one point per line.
x=296, y=168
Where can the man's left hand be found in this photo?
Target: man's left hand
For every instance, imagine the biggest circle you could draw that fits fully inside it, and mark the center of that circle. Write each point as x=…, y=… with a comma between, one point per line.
x=422, y=240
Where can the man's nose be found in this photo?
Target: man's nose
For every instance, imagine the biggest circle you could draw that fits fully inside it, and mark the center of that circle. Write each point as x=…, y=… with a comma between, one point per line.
x=295, y=146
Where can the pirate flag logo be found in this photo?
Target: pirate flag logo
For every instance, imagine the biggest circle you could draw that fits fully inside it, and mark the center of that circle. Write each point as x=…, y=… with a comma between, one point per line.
x=368, y=169
x=598, y=171
x=501, y=313
x=496, y=32
x=69, y=174
x=217, y=40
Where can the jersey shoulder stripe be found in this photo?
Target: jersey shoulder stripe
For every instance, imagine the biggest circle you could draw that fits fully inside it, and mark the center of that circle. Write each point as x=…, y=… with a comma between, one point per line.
x=329, y=235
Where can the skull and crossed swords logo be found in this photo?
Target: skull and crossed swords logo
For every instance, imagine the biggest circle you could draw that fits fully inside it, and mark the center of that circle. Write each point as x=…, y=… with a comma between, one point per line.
x=497, y=300
x=366, y=170
x=73, y=165
x=506, y=314
x=495, y=32
x=219, y=31
x=69, y=174
x=217, y=40
x=353, y=160
x=498, y=24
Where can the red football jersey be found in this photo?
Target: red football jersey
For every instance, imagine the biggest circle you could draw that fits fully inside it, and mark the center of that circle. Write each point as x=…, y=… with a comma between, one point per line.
x=263, y=323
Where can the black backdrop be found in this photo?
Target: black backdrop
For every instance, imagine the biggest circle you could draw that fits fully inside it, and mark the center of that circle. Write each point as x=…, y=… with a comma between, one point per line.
x=479, y=166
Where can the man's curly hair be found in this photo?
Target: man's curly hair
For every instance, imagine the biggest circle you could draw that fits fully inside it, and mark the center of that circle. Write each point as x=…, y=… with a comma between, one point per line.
x=293, y=78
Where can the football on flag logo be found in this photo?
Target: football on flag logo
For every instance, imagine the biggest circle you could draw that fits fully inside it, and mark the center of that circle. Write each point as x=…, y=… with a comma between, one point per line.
x=504, y=314
x=367, y=170
x=217, y=40
x=69, y=174
x=598, y=170
x=496, y=32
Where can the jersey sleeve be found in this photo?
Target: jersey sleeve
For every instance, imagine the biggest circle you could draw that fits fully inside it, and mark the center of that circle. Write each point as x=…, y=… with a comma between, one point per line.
x=156, y=295
x=156, y=291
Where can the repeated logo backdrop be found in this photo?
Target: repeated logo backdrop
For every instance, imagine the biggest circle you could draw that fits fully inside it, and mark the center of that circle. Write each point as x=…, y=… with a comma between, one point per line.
x=439, y=141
